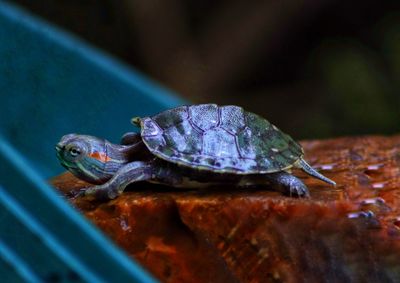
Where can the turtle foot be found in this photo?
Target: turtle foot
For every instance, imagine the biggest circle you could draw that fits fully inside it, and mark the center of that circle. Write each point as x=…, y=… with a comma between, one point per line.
x=299, y=190
x=76, y=193
x=98, y=193
x=101, y=193
x=289, y=184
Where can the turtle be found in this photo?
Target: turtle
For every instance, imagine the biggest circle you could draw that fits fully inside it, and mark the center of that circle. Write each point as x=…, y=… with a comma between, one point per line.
x=194, y=146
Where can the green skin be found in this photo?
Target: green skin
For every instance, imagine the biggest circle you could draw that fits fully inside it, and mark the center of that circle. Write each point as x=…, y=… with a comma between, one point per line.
x=112, y=167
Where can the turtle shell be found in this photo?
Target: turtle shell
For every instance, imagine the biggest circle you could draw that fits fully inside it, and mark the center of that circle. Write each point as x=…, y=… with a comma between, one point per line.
x=224, y=139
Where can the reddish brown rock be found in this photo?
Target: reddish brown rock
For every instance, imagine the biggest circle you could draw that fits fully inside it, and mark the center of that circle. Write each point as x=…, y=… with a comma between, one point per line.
x=350, y=233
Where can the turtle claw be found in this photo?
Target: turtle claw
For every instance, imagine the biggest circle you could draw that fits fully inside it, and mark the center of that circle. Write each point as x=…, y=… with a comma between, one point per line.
x=99, y=193
x=299, y=190
x=92, y=193
x=76, y=193
x=96, y=193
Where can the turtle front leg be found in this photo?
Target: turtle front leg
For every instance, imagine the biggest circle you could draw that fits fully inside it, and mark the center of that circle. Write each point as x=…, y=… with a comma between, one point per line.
x=130, y=138
x=288, y=184
x=128, y=174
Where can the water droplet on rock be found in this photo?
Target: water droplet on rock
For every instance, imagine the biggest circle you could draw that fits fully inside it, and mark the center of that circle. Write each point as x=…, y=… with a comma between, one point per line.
x=361, y=214
x=326, y=167
x=374, y=167
x=124, y=225
x=375, y=204
x=379, y=185
x=368, y=218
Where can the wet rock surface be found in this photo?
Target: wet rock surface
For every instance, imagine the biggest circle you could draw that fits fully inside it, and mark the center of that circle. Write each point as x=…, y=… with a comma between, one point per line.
x=350, y=233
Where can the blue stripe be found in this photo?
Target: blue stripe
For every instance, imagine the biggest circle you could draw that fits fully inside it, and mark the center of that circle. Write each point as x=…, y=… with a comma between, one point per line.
x=13, y=206
x=21, y=267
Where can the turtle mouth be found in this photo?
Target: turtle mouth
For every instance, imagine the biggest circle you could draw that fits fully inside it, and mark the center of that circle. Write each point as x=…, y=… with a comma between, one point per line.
x=59, y=154
x=59, y=147
x=59, y=150
x=66, y=164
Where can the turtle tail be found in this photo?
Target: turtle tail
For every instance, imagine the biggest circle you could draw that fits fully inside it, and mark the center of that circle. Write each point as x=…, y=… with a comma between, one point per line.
x=311, y=171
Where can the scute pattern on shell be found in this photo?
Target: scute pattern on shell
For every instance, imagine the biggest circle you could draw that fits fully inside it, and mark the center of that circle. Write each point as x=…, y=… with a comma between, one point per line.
x=224, y=139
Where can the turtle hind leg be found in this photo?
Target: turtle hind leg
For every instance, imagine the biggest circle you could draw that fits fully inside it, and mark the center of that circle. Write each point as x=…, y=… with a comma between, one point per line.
x=128, y=174
x=288, y=184
x=311, y=171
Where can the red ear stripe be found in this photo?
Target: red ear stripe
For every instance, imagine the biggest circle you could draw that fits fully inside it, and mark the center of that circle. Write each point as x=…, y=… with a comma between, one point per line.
x=100, y=156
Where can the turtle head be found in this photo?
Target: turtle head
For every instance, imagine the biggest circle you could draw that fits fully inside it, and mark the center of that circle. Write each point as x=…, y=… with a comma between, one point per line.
x=86, y=157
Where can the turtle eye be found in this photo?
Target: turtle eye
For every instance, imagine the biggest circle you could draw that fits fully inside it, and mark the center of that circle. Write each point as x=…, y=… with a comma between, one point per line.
x=74, y=151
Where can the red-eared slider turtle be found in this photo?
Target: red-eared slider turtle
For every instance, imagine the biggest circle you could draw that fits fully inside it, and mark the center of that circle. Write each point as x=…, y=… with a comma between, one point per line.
x=190, y=146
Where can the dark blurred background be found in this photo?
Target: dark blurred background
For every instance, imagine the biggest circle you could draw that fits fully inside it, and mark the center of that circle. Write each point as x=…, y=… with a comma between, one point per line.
x=315, y=68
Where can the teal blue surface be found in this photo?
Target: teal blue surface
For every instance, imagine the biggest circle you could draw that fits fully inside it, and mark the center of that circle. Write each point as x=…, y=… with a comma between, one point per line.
x=52, y=84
